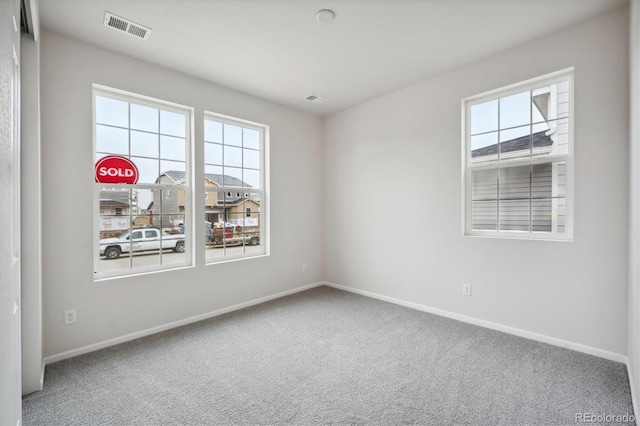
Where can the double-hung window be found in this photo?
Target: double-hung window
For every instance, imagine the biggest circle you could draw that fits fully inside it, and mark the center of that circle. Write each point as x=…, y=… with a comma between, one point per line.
x=146, y=225
x=234, y=182
x=518, y=160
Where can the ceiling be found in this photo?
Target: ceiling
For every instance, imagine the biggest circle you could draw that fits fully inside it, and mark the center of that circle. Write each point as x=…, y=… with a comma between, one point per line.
x=276, y=50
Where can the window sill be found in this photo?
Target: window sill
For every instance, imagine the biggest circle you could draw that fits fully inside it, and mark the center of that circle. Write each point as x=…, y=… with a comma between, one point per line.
x=110, y=277
x=565, y=238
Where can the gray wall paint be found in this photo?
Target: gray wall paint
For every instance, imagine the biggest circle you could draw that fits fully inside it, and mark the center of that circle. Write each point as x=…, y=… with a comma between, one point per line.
x=394, y=197
x=114, y=308
x=634, y=211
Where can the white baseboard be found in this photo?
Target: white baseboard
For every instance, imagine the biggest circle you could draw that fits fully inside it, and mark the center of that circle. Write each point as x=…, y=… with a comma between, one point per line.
x=164, y=327
x=491, y=325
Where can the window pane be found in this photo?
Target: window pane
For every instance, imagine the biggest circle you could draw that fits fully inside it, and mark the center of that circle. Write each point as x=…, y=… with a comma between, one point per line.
x=144, y=118
x=147, y=169
x=113, y=202
x=232, y=156
x=514, y=215
x=251, y=138
x=112, y=112
x=541, y=215
x=515, y=143
x=144, y=144
x=219, y=240
x=514, y=193
x=515, y=110
x=484, y=147
x=113, y=249
x=251, y=179
x=232, y=135
x=173, y=240
x=484, y=185
x=541, y=180
x=234, y=223
x=142, y=208
x=514, y=183
x=212, y=131
x=112, y=140
x=175, y=166
x=172, y=148
x=214, y=173
x=114, y=223
x=484, y=117
x=484, y=215
x=251, y=158
x=173, y=124
x=212, y=153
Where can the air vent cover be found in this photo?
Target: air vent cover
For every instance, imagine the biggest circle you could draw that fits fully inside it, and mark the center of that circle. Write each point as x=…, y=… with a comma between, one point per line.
x=124, y=25
x=316, y=99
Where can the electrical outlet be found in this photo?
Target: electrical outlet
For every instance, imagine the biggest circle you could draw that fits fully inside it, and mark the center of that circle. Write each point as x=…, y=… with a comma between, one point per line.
x=304, y=267
x=70, y=316
x=466, y=289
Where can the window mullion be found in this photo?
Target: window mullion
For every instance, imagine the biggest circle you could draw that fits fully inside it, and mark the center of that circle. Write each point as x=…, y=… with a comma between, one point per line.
x=498, y=173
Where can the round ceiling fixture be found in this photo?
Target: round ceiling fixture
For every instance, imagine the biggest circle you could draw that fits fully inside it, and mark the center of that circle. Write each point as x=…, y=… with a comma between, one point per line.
x=325, y=16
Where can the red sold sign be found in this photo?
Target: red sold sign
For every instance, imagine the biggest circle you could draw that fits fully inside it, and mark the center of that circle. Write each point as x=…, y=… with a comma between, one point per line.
x=116, y=169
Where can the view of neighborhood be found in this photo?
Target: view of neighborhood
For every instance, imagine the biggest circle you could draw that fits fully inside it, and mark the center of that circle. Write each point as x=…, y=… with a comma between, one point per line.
x=146, y=222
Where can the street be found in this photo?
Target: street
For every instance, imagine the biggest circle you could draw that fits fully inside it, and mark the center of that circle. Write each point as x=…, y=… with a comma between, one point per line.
x=153, y=258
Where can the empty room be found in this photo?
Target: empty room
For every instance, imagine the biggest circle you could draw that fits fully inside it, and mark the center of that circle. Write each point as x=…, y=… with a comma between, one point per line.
x=358, y=212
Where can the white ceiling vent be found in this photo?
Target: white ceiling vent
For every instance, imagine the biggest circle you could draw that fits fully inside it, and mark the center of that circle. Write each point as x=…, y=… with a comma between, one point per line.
x=316, y=99
x=124, y=25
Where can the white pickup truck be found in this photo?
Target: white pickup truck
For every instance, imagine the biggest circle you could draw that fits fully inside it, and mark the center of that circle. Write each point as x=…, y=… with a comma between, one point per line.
x=143, y=239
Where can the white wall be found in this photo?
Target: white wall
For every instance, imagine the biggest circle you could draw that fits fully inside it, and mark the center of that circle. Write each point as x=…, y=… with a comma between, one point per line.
x=111, y=309
x=32, y=360
x=10, y=312
x=634, y=211
x=394, y=198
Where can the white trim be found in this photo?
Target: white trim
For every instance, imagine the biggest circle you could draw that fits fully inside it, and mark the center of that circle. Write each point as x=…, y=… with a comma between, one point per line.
x=551, y=78
x=41, y=383
x=632, y=388
x=153, y=330
x=491, y=325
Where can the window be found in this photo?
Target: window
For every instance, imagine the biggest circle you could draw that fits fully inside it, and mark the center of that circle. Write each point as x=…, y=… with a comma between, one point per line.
x=137, y=225
x=234, y=179
x=518, y=161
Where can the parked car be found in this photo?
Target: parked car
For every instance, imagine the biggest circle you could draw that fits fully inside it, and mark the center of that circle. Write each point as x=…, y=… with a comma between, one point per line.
x=138, y=240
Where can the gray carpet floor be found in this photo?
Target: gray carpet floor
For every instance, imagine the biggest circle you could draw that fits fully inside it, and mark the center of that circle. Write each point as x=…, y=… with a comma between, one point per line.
x=325, y=356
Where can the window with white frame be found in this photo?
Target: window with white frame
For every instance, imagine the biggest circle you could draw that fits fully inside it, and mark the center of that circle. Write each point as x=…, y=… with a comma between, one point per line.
x=234, y=170
x=140, y=226
x=518, y=160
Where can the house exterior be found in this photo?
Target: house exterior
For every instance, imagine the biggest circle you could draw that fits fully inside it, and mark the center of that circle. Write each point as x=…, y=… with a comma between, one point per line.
x=234, y=206
x=119, y=208
x=114, y=216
